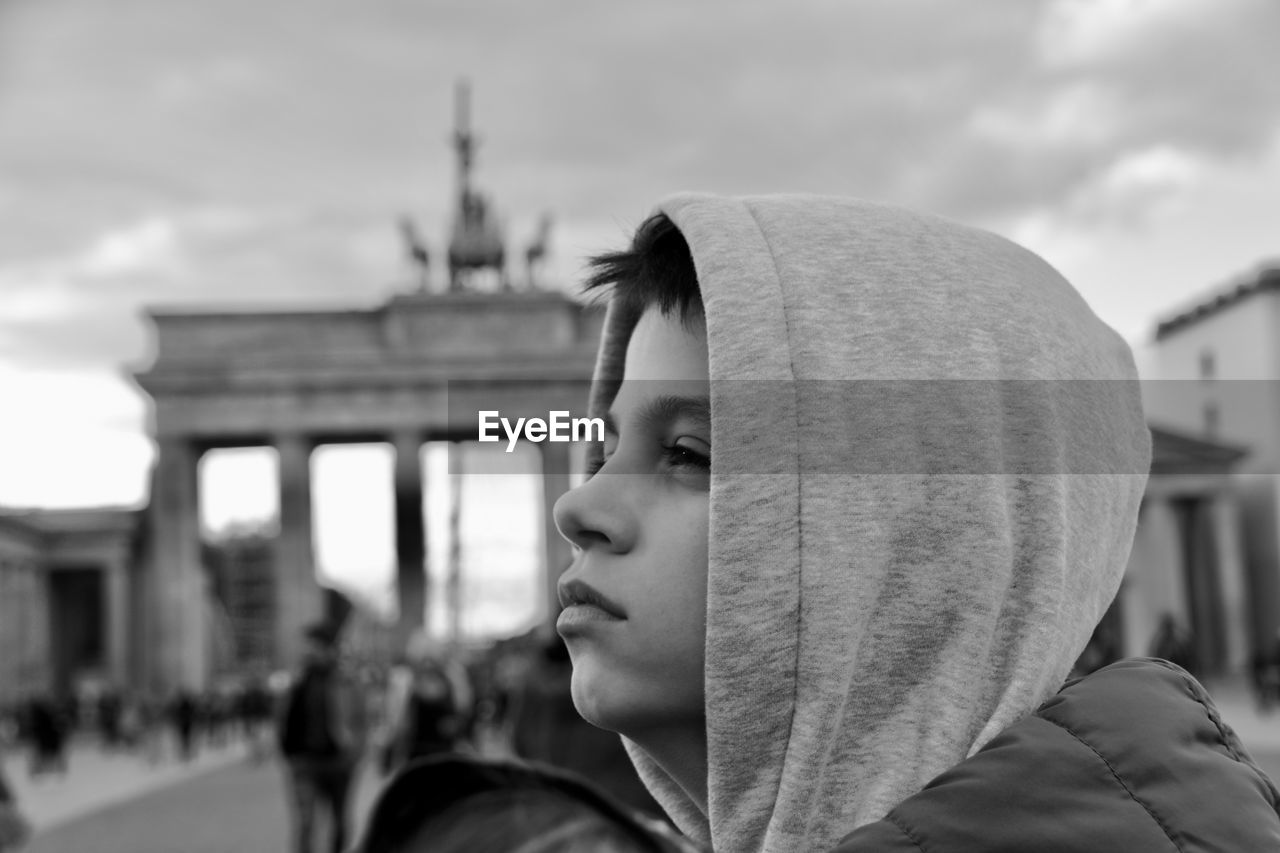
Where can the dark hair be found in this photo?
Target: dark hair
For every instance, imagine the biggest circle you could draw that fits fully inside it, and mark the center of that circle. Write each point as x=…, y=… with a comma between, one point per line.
x=456, y=803
x=656, y=271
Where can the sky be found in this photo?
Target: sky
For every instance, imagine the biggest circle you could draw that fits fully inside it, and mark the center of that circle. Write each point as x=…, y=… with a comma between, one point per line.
x=246, y=154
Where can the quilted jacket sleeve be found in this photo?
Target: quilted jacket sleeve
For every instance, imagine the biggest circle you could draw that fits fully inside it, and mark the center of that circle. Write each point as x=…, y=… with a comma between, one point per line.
x=1133, y=758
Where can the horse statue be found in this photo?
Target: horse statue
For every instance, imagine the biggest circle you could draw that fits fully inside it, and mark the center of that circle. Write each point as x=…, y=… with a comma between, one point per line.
x=537, y=249
x=417, y=250
x=476, y=242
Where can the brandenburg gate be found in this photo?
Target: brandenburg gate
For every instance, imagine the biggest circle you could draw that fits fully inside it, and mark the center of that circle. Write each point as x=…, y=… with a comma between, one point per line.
x=410, y=371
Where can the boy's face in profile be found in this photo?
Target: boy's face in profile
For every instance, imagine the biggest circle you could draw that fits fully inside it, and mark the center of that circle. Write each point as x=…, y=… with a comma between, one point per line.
x=637, y=591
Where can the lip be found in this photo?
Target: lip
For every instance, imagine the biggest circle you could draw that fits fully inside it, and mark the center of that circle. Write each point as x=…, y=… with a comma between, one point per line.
x=577, y=618
x=580, y=595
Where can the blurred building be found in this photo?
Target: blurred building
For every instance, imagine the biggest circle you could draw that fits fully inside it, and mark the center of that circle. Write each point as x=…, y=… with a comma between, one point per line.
x=134, y=597
x=415, y=369
x=24, y=611
x=69, y=599
x=73, y=603
x=1187, y=561
x=241, y=570
x=1212, y=373
x=412, y=370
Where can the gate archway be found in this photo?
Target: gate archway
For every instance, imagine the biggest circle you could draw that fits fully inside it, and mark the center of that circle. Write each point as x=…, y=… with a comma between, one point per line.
x=293, y=380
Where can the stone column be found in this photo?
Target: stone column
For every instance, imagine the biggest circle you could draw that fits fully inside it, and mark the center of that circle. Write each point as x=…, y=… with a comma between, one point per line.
x=117, y=621
x=177, y=633
x=557, y=553
x=11, y=641
x=1203, y=583
x=37, y=651
x=411, y=536
x=1157, y=566
x=1227, y=528
x=298, y=598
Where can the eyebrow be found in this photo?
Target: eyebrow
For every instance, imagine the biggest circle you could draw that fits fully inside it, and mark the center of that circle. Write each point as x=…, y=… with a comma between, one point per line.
x=665, y=408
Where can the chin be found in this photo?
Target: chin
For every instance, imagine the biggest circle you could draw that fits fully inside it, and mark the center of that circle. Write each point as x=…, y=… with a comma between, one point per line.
x=618, y=708
x=590, y=698
x=609, y=695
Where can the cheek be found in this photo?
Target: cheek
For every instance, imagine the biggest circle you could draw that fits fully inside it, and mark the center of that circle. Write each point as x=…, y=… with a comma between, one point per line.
x=681, y=567
x=650, y=669
x=684, y=575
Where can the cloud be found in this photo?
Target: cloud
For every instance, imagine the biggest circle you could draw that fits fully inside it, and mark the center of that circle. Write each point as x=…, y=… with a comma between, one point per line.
x=1135, y=191
x=1083, y=32
x=33, y=293
x=1141, y=182
x=78, y=439
x=75, y=468
x=222, y=154
x=148, y=246
x=1194, y=73
x=312, y=147
x=1081, y=115
x=66, y=399
x=212, y=79
x=86, y=308
x=997, y=107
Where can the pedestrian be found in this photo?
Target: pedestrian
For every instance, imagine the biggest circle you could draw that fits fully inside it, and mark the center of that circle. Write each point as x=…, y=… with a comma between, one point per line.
x=1260, y=675
x=109, y=711
x=219, y=706
x=15, y=829
x=254, y=709
x=869, y=480
x=150, y=720
x=467, y=804
x=184, y=712
x=1102, y=650
x=425, y=714
x=1173, y=643
x=130, y=721
x=48, y=728
x=322, y=731
x=1269, y=673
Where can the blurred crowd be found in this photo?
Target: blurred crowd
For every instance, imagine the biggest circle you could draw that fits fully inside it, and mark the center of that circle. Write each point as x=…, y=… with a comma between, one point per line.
x=509, y=701
x=179, y=725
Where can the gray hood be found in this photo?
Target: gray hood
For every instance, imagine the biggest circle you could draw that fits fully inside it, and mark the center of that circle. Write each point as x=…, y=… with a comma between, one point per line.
x=903, y=560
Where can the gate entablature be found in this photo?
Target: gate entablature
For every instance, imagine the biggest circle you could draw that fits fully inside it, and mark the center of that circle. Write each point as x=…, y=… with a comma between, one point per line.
x=469, y=330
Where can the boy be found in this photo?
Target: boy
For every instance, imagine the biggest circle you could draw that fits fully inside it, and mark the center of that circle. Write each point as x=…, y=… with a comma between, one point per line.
x=819, y=566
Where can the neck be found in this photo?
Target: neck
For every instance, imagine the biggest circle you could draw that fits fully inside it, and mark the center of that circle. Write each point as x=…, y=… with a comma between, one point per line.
x=682, y=752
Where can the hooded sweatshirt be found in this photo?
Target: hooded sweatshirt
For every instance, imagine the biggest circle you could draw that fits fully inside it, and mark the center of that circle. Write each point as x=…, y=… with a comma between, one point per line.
x=928, y=455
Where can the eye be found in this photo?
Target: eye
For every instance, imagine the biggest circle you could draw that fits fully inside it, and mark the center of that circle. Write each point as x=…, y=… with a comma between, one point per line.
x=687, y=453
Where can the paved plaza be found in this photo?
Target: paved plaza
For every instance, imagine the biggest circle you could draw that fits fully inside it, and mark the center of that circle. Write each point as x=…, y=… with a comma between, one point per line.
x=97, y=779
x=235, y=808
x=224, y=802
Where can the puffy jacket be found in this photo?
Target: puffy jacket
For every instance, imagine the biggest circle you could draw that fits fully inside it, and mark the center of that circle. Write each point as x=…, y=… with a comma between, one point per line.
x=1133, y=758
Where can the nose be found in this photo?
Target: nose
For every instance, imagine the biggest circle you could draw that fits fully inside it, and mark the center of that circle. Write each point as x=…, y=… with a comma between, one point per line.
x=594, y=515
